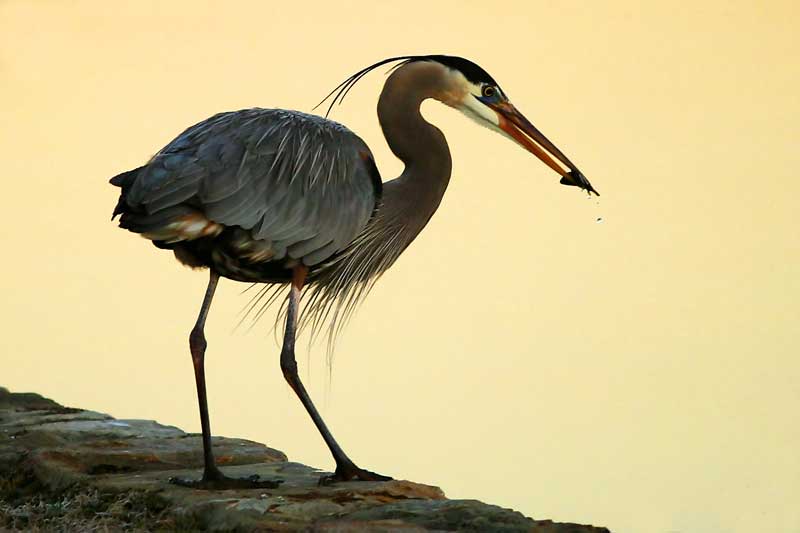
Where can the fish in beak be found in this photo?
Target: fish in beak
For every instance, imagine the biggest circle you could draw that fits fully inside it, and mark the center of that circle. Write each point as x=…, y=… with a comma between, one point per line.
x=519, y=128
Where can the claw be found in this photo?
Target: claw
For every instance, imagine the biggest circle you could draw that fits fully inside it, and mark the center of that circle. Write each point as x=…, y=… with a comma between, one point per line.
x=351, y=473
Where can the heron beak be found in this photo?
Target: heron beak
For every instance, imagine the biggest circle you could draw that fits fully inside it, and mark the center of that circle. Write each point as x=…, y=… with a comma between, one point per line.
x=519, y=128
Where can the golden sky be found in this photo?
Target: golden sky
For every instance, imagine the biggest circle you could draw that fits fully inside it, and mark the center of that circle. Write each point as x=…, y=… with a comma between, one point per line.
x=641, y=373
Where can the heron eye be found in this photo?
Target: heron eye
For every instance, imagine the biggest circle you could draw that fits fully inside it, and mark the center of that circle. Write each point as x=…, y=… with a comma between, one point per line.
x=488, y=91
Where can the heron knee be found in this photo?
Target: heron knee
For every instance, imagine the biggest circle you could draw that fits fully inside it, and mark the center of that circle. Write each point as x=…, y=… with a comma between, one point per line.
x=197, y=344
x=288, y=366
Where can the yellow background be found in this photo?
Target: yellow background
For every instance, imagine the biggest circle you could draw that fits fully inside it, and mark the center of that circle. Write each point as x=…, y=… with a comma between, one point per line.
x=641, y=373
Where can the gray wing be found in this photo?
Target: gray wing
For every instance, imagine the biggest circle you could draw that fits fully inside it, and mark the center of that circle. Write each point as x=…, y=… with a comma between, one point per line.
x=304, y=185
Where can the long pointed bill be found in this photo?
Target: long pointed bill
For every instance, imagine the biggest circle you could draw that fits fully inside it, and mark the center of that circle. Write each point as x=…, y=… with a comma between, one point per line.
x=519, y=128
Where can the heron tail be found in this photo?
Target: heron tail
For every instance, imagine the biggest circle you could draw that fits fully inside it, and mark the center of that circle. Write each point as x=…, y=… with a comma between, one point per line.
x=124, y=181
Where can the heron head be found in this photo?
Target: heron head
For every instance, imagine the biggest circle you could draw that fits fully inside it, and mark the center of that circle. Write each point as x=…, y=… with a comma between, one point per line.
x=470, y=89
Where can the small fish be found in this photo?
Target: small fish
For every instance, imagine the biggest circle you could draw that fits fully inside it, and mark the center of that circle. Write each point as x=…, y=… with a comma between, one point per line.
x=576, y=178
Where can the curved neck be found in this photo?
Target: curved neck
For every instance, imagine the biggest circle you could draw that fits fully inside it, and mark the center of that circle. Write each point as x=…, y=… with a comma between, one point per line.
x=418, y=191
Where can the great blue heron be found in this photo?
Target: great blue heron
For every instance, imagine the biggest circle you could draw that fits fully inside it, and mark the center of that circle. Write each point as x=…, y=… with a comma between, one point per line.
x=287, y=198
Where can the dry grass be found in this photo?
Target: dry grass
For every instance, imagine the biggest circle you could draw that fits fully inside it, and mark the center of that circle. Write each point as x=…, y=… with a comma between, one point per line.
x=25, y=507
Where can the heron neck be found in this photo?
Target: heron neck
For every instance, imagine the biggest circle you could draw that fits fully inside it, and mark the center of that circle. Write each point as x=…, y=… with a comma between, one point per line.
x=418, y=191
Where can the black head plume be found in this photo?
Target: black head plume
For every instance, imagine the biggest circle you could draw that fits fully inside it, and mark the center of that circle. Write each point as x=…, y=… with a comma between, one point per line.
x=470, y=70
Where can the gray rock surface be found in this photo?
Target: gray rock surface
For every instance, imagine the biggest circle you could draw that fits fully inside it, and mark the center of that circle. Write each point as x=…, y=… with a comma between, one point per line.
x=65, y=469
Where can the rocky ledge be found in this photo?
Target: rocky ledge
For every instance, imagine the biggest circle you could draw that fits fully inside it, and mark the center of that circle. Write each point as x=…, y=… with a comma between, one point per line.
x=66, y=469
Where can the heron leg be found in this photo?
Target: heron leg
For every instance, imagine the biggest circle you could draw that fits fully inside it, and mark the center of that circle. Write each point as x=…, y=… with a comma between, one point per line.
x=346, y=469
x=212, y=477
x=197, y=345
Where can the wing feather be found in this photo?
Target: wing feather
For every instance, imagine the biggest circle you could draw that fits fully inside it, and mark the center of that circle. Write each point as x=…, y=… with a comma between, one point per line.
x=295, y=181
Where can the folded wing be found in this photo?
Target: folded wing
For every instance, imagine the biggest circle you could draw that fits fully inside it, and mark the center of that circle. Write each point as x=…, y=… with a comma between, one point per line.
x=301, y=186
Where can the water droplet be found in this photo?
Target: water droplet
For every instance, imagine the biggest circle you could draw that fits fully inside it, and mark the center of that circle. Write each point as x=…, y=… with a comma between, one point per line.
x=599, y=220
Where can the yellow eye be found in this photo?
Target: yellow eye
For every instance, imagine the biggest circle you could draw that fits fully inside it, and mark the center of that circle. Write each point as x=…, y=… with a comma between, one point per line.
x=488, y=91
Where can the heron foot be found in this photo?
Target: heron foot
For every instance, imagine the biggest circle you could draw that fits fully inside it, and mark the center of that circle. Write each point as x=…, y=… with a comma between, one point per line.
x=219, y=481
x=351, y=473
